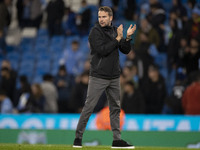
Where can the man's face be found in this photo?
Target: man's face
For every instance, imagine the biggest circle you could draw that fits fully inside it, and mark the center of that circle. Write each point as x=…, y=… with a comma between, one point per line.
x=104, y=18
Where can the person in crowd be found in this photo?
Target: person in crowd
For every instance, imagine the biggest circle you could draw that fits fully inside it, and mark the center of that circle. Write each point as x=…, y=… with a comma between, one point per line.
x=6, y=64
x=173, y=103
x=33, y=102
x=73, y=59
x=144, y=11
x=156, y=2
x=157, y=18
x=130, y=9
x=29, y=13
x=182, y=50
x=5, y=103
x=190, y=99
x=130, y=73
x=148, y=29
x=83, y=18
x=191, y=59
x=55, y=13
x=179, y=9
x=79, y=92
x=50, y=94
x=143, y=53
x=4, y=22
x=64, y=83
x=22, y=94
x=173, y=45
x=192, y=27
x=190, y=6
x=133, y=59
x=36, y=101
x=69, y=22
x=133, y=100
x=7, y=83
x=154, y=90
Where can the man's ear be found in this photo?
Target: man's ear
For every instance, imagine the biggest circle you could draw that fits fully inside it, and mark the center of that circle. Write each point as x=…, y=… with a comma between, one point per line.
x=111, y=18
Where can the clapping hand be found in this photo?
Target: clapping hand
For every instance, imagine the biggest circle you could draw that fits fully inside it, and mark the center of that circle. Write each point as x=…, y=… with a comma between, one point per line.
x=131, y=31
x=119, y=33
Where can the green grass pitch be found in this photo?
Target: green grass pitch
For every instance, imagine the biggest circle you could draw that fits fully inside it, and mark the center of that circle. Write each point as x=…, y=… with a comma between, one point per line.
x=69, y=147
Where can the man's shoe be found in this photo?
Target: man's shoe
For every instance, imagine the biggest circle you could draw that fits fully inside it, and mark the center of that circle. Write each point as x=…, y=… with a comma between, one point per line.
x=77, y=143
x=122, y=145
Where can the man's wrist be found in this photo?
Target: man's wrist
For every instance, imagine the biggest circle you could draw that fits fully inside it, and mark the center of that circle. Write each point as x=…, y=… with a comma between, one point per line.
x=118, y=38
x=128, y=38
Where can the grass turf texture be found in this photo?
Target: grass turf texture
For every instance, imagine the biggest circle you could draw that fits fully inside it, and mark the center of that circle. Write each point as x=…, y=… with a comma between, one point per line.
x=68, y=147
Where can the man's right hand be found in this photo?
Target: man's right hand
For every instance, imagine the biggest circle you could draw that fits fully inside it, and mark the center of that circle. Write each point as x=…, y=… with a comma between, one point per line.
x=119, y=33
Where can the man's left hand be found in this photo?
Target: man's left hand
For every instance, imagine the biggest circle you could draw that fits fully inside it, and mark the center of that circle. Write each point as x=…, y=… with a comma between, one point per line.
x=131, y=31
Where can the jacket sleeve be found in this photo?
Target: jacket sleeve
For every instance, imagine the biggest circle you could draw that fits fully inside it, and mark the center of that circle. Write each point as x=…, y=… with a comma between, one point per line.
x=98, y=43
x=124, y=46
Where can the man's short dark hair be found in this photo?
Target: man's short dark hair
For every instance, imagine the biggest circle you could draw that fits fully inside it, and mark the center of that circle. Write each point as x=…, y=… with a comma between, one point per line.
x=106, y=9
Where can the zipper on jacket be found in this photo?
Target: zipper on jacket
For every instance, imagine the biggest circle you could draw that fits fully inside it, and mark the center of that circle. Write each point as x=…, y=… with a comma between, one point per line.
x=99, y=63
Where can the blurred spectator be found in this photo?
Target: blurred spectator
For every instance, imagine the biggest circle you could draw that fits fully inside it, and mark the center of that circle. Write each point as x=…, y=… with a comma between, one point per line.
x=29, y=13
x=154, y=91
x=133, y=101
x=83, y=19
x=130, y=74
x=173, y=103
x=183, y=50
x=50, y=94
x=174, y=44
x=190, y=99
x=190, y=5
x=4, y=22
x=5, y=103
x=32, y=102
x=69, y=22
x=130, y=9
x=79, y=93
x=64, y=84
x=143, y=53
x=157, y=19
x=191, y=59
x=148, y=29
x=144, y=11
x=179, y=9
x=13, y=75
x=73, y=59
x=7, y=83
x=55, y=12
x=36, y=102
x=192, y=27
x=133, y=59
x=23, y=93
x=156, y=2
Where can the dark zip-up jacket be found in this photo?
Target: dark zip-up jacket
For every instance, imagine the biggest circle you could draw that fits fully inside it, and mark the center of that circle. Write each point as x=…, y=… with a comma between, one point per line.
x=104, y=51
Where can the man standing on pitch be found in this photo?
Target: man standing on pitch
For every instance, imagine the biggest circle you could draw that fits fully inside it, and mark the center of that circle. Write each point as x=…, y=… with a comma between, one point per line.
x=105, y=40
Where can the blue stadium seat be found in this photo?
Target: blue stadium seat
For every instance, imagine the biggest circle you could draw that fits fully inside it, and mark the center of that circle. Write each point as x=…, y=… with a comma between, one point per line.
x=43, y=40
x=56, y=48
x=57, y=40
x=42, y=32
x=13, y=56
x=28, y=56
x=42, y=67
x=14, y=64
x=43, y=56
